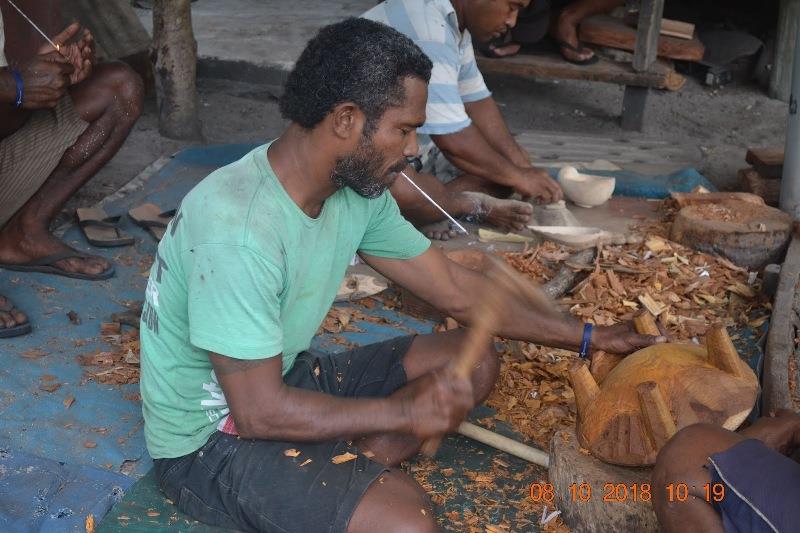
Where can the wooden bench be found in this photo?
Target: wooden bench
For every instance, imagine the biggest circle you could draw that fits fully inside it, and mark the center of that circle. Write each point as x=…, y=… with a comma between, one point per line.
x=639, y=78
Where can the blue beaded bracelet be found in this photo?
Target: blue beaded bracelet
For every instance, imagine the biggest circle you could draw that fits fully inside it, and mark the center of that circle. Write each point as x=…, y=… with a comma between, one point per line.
x=20, y=88
x=587, y=338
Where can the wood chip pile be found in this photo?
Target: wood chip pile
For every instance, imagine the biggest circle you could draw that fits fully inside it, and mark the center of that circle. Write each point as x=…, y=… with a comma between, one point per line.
x=119, y=364
x=686, y=290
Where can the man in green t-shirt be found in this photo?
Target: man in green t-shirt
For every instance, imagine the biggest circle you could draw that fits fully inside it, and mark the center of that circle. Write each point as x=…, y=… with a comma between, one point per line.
x=242, y=420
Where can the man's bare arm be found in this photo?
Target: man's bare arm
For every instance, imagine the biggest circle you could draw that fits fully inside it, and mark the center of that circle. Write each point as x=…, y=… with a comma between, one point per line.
x=469, y=150
x=264, y=407
x=457, y=291
x=487, y=118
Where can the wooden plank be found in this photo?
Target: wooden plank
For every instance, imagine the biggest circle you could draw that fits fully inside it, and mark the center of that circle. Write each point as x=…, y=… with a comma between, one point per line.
x=604, y=30
x=768, y=157
x=553, y=66
x=677, y=28
x=649, y=26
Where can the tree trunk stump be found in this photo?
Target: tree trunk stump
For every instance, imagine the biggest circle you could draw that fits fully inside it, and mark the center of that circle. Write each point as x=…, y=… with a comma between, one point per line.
x=174, y=57
x=611, y=505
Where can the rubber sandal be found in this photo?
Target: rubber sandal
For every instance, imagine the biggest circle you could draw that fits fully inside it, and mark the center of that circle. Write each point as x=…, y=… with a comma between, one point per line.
x=152, y=218
x=15, y=331
x=100, y=229
x=45, y=266
x=577, y=49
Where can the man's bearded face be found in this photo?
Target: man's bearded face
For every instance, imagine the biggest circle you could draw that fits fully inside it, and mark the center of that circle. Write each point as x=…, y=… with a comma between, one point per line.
x=365, y=170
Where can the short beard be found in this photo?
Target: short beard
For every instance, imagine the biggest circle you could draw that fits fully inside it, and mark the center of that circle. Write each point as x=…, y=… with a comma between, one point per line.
x=361, y=171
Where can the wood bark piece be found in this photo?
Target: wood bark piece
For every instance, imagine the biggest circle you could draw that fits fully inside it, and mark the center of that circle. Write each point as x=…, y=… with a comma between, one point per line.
x=604, y=30
x=570, y=467
x=175, y=60
x=623, y=422
x=769, y=190
x=751, y=236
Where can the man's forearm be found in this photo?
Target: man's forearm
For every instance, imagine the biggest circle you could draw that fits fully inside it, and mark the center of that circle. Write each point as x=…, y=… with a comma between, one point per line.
x=487, y=118
x=308, y=416
x=469, y=150
x=517, y=318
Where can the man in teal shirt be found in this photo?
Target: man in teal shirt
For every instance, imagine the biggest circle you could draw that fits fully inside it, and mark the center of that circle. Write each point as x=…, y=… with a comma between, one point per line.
x=241, y=419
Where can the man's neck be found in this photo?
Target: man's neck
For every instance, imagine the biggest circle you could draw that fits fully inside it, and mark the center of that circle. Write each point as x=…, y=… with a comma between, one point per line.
x=303, y=169
x=458, y=6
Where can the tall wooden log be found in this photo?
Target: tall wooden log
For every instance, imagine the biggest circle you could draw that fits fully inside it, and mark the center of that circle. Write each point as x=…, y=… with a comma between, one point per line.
x=175, y=60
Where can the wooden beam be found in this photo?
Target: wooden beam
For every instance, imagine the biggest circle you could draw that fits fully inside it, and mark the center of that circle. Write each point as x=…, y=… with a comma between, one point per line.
x=650, y=12
x=605, y=30
x=553, y=67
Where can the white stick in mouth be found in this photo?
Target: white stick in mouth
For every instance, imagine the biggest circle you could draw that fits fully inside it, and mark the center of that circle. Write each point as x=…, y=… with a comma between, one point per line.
x=35, y=27
x=431, y=200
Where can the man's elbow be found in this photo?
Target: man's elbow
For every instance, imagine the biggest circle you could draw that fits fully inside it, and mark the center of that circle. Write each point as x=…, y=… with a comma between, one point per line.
x=252, y=423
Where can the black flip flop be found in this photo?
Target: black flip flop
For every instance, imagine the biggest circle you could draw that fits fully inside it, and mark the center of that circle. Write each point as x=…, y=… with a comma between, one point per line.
x=45, y=266
x=100, y=229
x=16, y=331
x=577, y=49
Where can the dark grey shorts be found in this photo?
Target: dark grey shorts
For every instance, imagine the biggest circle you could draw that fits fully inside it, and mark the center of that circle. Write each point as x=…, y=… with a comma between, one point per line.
x=251, y=485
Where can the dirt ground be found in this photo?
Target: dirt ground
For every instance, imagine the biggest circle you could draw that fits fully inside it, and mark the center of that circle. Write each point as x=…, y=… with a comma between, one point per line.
x=721, y=123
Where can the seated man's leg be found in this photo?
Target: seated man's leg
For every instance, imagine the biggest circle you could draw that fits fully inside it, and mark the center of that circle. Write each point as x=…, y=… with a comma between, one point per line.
x=683, y=460
x=565, y=26
x=110, y=101
x=252, y=485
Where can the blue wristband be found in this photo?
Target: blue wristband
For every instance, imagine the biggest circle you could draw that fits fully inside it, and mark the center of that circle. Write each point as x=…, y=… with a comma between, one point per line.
x=20, y=88
x=587, y=337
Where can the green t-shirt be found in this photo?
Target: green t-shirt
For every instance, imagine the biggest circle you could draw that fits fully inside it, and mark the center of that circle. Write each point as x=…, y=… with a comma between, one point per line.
x=242, y=271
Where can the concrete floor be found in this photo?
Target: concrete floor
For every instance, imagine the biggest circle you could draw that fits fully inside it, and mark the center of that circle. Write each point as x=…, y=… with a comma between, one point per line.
x=257, y=36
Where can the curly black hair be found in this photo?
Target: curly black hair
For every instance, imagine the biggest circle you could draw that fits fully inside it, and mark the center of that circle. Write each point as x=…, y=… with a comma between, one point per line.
x=356, y=60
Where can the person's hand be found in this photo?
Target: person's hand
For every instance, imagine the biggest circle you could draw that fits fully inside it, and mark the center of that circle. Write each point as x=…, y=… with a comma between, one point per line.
x=622, y=339
x=536, y=183
x=80, y=54
x=45, y=79
x=780, y=433
x=436, y=403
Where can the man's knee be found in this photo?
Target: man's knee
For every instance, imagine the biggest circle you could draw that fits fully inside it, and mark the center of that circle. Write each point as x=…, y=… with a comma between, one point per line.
x=126, y=87
x=395, y=503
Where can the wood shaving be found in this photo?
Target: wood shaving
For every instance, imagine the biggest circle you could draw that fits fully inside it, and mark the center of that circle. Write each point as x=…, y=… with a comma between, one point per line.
x=343, y=458
x=291, y=452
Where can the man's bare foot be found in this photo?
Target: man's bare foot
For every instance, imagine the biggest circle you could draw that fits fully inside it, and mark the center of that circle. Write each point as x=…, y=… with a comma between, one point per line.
x=440, y=231
x=565, y=32
x=507, y=215
x=18, y=247
x=10, y=316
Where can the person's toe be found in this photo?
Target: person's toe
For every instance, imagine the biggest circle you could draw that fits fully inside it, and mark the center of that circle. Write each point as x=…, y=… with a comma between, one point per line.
x=18, y=316
x=6, y=320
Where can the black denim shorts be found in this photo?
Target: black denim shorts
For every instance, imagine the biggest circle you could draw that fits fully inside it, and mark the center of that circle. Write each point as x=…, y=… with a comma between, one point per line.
x=251, y=485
